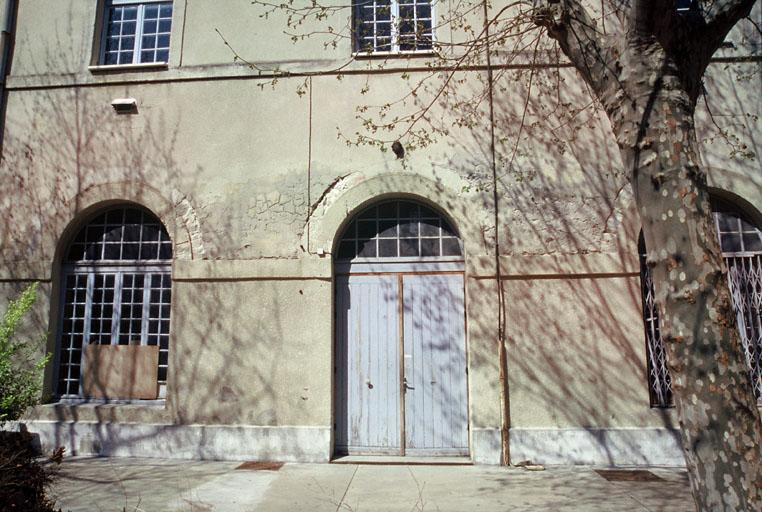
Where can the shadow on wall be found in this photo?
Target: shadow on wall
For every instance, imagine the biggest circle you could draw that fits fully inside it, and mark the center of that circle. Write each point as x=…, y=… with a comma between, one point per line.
x=67, y=156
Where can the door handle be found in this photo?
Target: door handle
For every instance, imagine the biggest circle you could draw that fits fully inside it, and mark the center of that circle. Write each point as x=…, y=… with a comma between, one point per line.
x=404, y=383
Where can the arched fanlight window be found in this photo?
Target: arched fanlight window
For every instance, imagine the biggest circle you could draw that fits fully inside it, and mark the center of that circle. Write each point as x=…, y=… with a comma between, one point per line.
x=399, y=230
x=116, y=285
x=741, y=244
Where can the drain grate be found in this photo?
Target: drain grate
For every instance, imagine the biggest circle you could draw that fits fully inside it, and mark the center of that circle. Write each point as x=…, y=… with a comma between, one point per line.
x=628, y=475
x=261, y=466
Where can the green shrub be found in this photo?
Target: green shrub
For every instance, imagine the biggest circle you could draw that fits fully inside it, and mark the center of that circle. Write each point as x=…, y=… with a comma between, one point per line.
x=20, y=362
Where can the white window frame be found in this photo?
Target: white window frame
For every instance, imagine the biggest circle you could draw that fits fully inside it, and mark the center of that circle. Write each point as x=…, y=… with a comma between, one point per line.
x=136, y=50
x=394, y=34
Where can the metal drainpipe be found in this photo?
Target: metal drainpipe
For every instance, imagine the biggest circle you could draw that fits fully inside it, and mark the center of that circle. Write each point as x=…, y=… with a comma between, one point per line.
x=6, y=42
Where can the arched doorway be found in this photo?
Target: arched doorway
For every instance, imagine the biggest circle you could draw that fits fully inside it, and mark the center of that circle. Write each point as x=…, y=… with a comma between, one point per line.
x=400, y=334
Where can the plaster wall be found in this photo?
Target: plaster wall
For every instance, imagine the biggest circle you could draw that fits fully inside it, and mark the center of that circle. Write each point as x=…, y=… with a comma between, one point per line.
x=255, y=181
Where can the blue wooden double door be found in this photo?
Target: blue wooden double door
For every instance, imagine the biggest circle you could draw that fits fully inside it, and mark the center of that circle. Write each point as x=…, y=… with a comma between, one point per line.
x=401, y=383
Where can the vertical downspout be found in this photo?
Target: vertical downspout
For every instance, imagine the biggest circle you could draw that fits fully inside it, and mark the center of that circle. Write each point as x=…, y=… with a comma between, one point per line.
x=503, y=366
x=6, y=44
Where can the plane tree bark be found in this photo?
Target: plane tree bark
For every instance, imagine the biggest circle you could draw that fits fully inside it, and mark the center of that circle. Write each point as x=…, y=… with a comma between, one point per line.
x=648, y=79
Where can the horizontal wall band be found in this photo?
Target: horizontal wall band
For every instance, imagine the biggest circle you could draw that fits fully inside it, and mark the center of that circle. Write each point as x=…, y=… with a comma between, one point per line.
x=252, y=270
x=209, y=73
x=530, y=277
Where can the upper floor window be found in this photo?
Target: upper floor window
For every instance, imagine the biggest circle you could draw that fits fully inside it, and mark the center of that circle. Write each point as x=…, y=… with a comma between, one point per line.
x=393, y=25
x=136, y=32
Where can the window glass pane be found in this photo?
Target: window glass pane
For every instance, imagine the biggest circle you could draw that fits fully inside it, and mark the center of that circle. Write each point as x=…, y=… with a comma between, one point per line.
x=409, y=229
x=727, y=222
x=387, y=228
x=731, y=242
x=409, y=247
x=387, y=211
x=346, y=250
x=165, y=251
x=128, y=28
x=430, y=247
x=430, y=227
x=387, y=248
x=366, y=229
x=752, y=242
x=410, y=210
x=450, y=247
x=367, y=248
x=130, y=12
x=383, y=30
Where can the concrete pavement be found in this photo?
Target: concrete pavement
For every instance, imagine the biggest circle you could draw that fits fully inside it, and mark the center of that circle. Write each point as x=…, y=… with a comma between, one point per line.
x=136, y=485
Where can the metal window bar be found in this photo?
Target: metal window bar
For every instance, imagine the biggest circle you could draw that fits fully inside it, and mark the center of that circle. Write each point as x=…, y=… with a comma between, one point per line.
x=659, y=378
x=741, y=244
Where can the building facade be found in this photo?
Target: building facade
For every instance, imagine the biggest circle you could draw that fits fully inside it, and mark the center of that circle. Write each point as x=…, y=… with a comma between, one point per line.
x=228, y=272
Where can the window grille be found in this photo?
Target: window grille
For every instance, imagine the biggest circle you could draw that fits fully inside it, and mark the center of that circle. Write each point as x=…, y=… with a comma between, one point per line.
x=659, y=379
x=116, y=291
x=741, y=243
x=393, y=25
x=399, y=229
x=136, y=32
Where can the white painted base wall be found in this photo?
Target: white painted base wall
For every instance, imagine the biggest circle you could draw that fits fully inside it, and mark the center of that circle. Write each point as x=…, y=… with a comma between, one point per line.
x=213, y=442
x=485, y=446
x=603, y=447
x=597, y=446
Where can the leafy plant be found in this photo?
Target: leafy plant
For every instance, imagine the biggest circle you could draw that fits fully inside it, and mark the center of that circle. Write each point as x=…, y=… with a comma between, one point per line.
x=20, y=363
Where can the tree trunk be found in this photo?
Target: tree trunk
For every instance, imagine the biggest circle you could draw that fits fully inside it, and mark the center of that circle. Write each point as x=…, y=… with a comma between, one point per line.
x=719, y=420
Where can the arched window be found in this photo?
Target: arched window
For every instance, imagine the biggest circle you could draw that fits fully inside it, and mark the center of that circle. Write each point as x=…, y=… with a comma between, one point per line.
x=401, y=230
x=116, y=285
x=741, y=244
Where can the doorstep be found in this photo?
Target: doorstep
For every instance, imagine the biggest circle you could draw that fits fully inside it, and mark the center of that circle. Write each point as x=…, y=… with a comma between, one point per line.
x=397, y=460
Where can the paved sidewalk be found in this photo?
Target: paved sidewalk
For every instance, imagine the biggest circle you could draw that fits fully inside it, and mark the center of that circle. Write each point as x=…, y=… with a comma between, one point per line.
x=134, y=485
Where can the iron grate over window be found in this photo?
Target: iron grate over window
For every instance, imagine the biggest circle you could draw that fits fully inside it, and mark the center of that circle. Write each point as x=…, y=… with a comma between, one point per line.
x=741, y=243
x=659, y=379
x=116, y=291
x=399, y=229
